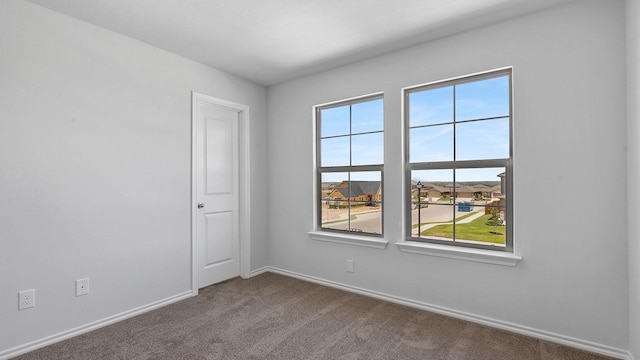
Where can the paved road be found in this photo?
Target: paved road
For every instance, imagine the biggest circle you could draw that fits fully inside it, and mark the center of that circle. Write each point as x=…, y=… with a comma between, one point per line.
x=443, y=214
x=440, y=213
x=365, y=221
x=371, y=221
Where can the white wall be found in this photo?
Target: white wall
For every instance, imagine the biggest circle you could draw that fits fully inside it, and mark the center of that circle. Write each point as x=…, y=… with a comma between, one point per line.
x=95, y=132
x=569, y=80
x=633, y=167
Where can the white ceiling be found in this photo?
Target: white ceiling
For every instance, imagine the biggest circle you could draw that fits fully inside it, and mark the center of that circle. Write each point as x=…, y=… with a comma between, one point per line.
x=272, y=41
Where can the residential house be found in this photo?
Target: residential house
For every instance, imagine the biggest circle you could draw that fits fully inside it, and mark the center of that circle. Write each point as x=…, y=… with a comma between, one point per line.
x=353, y=193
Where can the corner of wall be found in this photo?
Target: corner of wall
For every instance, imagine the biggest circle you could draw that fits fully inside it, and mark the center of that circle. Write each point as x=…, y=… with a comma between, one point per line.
x=633, y=173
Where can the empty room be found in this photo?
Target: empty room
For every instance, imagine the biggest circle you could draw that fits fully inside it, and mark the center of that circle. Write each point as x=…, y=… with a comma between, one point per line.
x=307, y=179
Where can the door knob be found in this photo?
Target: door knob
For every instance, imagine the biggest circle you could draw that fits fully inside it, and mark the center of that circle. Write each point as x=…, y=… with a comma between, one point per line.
x=200, y=205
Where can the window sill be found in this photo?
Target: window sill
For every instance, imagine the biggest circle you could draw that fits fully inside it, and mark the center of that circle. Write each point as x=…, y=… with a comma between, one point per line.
x=468, y=254
x=366, y=241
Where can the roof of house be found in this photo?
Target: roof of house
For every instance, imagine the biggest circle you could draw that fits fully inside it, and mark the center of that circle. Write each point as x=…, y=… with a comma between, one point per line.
x=460, y=188
x=359, y=188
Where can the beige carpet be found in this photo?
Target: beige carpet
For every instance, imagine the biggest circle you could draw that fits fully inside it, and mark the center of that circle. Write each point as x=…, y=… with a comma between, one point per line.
x=276, y=317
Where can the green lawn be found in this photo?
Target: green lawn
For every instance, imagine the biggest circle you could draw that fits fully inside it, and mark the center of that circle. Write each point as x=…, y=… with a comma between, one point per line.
x=476, y=230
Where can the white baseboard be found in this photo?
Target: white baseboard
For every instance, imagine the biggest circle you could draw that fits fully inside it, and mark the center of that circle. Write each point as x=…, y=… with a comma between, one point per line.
x=37, y=344
x=540, y=334
x=253, y=273
x=519, y=329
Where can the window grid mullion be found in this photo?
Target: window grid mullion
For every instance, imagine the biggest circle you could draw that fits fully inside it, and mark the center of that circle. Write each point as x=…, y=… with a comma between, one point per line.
x=463, y=164
x=363, y=168
x=450, y=122
x=350, y=163
x=349, y=199
x=362, y=133
x=455, y=158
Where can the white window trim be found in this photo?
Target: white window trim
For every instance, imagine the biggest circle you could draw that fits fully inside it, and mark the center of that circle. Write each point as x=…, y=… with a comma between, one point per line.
x=376, y=242
x=460, y=253
x=357, y=240
x=454, y=251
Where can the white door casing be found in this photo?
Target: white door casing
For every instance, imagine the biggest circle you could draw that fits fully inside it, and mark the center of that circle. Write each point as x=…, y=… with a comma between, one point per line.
x=220, y=222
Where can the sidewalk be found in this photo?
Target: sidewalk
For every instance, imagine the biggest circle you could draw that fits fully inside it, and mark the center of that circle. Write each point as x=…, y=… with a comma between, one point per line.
x=345, y=216
x=476, y=214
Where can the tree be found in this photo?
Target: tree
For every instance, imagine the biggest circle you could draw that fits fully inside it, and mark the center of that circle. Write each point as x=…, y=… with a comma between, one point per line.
x=494, y=219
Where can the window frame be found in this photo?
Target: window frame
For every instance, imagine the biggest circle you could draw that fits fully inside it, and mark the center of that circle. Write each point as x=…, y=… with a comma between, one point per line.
x=320, y=170
x=506, y=163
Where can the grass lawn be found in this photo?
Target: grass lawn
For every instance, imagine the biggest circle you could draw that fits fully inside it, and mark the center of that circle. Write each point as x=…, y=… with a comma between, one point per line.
x=476, y=230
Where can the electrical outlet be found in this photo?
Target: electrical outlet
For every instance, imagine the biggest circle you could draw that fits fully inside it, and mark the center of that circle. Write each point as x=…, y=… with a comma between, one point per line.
x=26, y=299
x=350, y=266
x=82, y=287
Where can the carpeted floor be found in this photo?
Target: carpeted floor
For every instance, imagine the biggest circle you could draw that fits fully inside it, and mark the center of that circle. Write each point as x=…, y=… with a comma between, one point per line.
x=276, y=317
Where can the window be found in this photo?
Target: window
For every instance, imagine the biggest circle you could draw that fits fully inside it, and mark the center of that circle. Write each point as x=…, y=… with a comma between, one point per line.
x=350, y=157
x=458, y=153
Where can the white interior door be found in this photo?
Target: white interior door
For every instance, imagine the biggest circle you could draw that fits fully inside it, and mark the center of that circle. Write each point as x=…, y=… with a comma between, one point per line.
x=217, y=193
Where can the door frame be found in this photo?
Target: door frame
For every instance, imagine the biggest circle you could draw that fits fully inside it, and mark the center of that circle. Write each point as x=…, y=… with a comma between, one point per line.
x=243, y=183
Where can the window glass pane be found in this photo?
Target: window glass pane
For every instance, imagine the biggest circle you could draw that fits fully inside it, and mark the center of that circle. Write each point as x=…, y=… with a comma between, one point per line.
x=332, y=179
x=335, y=151
x=353, y=205
x=334, y=204
x=366, y=202
x=367, y=149
x=480, y=195
x=431, y=200
x=334, y=121
x=432, y=143
x=487, y=139
x=367, y=116
x=434, y=106
x=482, y=99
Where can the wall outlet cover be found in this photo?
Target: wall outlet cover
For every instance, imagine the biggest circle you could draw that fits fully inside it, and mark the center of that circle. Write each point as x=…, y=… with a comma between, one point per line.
x=350, y=266
x=26, y=299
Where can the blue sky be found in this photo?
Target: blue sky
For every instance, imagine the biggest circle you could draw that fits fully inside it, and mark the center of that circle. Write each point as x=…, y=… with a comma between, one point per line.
x=364, y=122
x=366, y=117
x=355, y=176
x=431, y=134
